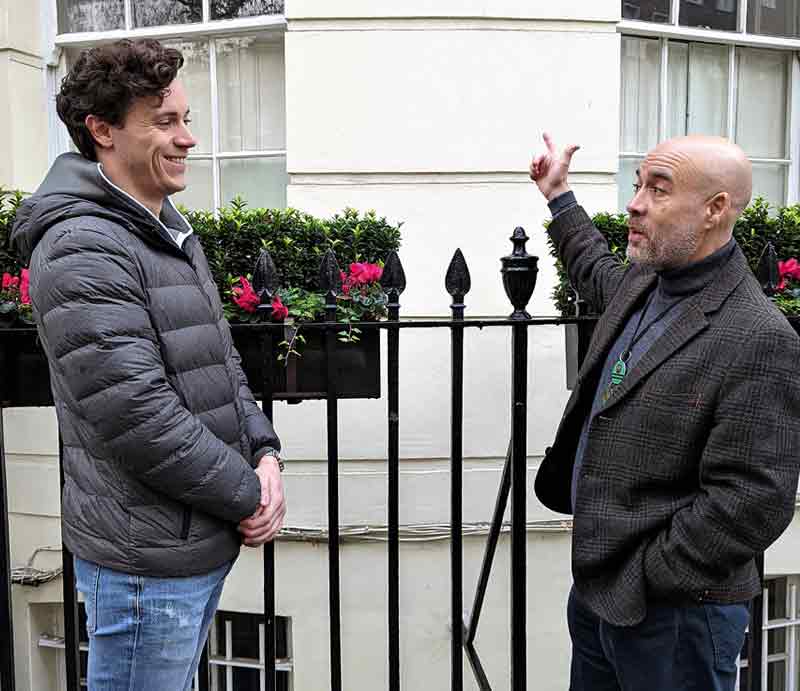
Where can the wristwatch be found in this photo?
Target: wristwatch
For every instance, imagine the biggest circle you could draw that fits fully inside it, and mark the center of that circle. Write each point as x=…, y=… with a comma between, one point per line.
x=274, y=453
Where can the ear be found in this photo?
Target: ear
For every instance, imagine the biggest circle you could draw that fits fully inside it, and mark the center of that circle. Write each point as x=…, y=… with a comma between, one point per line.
x=100, y=131
x=717, y=208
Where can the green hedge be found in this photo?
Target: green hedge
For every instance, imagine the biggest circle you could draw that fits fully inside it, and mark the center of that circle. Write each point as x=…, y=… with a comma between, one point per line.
x=757, y=225
x=234, y=238
x=297, y=241
x=9, y=202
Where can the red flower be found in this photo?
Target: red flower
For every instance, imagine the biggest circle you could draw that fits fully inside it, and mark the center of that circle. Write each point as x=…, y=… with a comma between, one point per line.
x=362, y=272
x=279, y=310
x=24, y=287
x=244, y=296
x=791, y=268
x=6, y=281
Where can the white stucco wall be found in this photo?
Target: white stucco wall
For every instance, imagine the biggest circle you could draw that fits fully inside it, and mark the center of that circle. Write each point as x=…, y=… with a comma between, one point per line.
x=23, y=142
x=427, y=111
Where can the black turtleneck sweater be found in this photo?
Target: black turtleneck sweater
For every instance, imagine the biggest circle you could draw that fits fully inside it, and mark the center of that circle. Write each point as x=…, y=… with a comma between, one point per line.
x=666, y=302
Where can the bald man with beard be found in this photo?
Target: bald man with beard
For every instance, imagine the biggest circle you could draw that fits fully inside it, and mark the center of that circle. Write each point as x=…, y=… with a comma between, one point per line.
x=678, y=451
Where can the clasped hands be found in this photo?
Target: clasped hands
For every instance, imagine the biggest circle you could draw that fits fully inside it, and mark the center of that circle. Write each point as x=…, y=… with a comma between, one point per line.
x=265, y=523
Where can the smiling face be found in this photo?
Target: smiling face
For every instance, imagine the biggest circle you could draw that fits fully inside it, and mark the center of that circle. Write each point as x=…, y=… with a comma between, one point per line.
x=146, y=155
x=688, y=193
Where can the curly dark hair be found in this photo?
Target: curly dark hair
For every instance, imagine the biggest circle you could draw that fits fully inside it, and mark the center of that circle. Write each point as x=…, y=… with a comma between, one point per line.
x=105, y=81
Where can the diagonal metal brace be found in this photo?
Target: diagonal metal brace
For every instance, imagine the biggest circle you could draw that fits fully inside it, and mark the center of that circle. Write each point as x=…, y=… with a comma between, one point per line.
x=470, y=629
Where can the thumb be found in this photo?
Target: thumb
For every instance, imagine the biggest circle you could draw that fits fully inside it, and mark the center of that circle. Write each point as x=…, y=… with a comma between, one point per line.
x=566, y=157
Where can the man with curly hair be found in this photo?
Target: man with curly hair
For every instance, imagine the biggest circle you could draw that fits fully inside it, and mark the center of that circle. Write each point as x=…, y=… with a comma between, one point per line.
x=169, y=463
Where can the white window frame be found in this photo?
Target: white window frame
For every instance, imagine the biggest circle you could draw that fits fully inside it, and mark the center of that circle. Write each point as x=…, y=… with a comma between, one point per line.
x=791, y=655
x=733, y=39
x=225, y=659
x=208, y=30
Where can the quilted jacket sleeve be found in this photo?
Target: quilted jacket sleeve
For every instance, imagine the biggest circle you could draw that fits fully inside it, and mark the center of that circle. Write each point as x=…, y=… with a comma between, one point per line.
x=749, y=470
x=593, y=270
x=96, y=328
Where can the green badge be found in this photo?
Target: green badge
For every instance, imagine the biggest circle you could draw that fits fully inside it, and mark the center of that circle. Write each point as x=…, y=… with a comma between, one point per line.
x=618, y=372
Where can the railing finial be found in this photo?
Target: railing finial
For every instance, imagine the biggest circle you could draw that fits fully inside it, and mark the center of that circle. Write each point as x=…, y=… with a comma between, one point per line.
x=767, y=271
x=519, y=274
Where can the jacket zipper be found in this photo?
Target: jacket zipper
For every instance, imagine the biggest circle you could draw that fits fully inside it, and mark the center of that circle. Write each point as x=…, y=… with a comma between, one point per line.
x=187, y=520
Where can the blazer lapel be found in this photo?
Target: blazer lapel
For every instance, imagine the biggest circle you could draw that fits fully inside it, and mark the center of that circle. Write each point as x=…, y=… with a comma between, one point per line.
x=614, y=319
x=681, y=331
x=691, y=322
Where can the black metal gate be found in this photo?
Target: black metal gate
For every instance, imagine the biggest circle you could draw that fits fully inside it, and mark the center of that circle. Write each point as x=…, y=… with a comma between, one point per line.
x=519, y=277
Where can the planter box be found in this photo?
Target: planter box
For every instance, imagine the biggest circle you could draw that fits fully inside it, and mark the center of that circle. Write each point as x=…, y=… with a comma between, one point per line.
x=24, y=374
x=358, y=365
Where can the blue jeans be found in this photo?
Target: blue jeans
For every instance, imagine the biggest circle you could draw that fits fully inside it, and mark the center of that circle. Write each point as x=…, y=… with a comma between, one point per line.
x=146, y=634
x=676, y=648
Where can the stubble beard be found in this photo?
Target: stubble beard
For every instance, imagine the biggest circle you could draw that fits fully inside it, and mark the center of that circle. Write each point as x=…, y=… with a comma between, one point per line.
x=680, y=245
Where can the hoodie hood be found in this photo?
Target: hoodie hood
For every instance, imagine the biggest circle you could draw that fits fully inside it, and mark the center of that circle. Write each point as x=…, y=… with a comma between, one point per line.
x=76, y=187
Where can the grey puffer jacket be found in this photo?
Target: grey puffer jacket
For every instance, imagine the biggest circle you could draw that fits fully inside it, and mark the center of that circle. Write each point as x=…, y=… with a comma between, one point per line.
x=160, y=431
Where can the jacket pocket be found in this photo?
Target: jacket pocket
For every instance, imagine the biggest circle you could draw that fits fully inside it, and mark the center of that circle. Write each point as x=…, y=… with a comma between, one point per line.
x=87, y=576
x=727, y=624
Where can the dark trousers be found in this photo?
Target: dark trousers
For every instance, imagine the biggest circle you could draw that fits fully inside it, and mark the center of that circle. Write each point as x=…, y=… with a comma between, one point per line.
x=676, y=648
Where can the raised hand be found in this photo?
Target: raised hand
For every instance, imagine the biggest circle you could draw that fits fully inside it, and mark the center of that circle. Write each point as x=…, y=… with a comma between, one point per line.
x=549, y=170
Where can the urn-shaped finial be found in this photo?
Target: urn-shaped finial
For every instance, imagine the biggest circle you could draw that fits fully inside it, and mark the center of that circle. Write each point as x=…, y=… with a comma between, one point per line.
x=519, y=274
x=768, y=271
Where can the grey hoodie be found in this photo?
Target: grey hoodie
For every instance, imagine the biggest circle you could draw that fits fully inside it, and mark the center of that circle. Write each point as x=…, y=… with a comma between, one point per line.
x=160, y=431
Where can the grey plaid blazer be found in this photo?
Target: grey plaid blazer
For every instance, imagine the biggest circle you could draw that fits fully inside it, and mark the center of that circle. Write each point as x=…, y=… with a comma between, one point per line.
x=691, y=466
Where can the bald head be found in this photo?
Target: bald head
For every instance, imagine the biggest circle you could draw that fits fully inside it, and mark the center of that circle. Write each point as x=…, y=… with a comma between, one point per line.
x=710, y=165
x=690, y=191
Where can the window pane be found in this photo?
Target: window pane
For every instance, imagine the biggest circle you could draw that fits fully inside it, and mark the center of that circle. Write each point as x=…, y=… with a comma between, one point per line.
x=90, y=15
x=710, y=14
x=776, y=676
x=625, y=179
x=678, y=78
x=160, y=12
x=773, y=17
x=199, y=192
x=761, y=108
x=769, y=181
x=640, y=94
x=252, y=103
x=261, y=182
x=708, y=89
x=776, y=641
x=776, y=607
x=231, y=9
x=197, y=82
x=647, y=10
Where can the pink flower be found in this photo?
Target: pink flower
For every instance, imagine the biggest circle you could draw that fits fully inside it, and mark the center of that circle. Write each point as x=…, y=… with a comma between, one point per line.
x=791, y=268
x=244, y=296
x=6, y=281
x=362, y=272
x=24, y=287
x=279, y=310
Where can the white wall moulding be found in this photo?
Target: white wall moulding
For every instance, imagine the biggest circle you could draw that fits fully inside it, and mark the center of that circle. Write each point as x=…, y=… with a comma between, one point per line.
x=597, y=10
x=19, y=26
x=455, y=101
x=449, y=24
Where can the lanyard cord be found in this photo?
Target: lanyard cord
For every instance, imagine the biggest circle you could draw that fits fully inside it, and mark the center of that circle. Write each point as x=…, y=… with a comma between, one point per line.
x=625, y=355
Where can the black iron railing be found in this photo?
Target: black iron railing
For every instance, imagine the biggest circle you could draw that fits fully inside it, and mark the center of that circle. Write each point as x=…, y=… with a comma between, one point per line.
x=519, y=277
